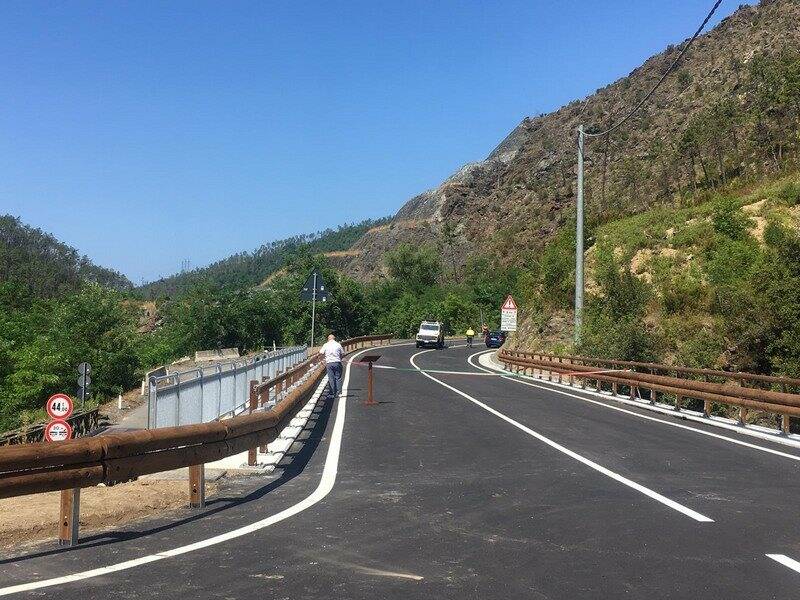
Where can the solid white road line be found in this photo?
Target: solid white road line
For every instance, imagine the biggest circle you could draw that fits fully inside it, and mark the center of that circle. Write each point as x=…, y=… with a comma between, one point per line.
x=589, y=463
x=519, y=379
x=324, y=487
x=785, y=561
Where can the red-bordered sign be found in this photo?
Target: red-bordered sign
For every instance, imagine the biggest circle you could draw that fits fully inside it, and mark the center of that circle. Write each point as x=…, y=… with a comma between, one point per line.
x=59, y=406
x=57, y=430
x=509, y=304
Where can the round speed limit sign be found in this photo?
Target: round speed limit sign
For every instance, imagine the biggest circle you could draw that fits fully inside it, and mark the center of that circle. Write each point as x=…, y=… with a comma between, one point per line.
x=57, y=431
x=59, y=406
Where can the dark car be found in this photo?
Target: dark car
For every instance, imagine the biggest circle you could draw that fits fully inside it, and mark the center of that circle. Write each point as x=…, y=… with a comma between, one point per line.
x=495, y=339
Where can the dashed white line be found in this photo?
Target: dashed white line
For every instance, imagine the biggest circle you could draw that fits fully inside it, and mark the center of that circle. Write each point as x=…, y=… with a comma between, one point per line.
x=785, y=561
x=589, y=463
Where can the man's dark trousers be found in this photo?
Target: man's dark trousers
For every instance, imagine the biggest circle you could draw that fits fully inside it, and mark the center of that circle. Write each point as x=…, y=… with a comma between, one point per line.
x=334, y=377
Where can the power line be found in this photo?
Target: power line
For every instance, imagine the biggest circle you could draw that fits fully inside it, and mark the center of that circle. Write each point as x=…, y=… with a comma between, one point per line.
x=663, y=77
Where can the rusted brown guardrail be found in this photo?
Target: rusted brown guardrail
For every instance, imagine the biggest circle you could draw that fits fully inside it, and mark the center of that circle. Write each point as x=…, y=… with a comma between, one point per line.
x=110, y=459
x=733, y=391
x=85, y=462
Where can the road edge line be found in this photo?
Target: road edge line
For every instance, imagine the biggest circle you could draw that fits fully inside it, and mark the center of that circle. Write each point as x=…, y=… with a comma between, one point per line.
x=324, y=487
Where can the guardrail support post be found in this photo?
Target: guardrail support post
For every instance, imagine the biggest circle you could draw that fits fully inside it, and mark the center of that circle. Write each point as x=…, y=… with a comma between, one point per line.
x=742, y=415
x=614, y=388
x=70, y=517
x=653, y=396
x=785, y=424
x=677, y=403
x=197, y=486
x=706, y=408
x=251, y=453
x=265, y=398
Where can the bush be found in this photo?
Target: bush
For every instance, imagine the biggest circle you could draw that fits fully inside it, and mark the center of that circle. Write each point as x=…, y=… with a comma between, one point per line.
x=790, y=193
x=729, y=219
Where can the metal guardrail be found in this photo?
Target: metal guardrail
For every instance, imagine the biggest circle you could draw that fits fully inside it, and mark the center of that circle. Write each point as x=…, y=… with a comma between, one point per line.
x=115, y=458
x=206, y=394
x=732, y=391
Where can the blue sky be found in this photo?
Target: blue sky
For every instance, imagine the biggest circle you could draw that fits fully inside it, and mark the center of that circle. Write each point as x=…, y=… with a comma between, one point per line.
x=145, y=133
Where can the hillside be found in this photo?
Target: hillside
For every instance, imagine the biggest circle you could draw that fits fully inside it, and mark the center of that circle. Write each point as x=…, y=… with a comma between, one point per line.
x=254, y=268
x=730, y=111
x=45, y=266
x=715, y=284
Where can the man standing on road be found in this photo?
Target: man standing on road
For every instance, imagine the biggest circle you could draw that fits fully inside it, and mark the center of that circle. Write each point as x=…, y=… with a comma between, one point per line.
x=470, y=335
x=333, y=352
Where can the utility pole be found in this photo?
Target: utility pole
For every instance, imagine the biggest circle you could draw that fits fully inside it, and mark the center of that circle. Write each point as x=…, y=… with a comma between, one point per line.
x=313, y=308
x=579, y=242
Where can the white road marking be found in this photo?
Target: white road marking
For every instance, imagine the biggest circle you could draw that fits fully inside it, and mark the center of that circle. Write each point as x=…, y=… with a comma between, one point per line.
x=589, y=463
x=323, y=489
x=518, y=379
x=785, y=561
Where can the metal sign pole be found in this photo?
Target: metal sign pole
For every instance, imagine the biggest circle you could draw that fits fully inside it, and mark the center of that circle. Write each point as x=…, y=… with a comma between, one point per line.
x=313, y=308
x=579, y=242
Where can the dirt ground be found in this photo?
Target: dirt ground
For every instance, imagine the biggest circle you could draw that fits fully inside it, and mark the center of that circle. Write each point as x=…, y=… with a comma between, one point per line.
x=30, y=519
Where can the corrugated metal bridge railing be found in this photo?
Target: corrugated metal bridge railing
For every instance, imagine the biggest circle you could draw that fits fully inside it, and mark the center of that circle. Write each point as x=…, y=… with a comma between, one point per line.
x=206, y=394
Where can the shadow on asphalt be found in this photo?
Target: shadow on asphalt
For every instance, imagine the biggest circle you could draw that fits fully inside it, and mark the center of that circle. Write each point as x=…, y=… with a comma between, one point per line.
x=299, y=461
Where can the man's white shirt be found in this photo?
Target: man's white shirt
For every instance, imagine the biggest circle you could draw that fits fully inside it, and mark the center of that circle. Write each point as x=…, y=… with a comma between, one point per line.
x=333, y=351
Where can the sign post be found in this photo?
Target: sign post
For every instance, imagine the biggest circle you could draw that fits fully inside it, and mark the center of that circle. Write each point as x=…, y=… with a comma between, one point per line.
x=369, y=359
x=84, y=381
x=59, y=408
x=508, y=315
x=314, y=290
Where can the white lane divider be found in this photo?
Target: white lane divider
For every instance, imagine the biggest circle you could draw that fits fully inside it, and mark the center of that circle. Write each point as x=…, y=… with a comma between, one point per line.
x=785, y=561
x=323, y=489
x=589, y=463
x=522, y=379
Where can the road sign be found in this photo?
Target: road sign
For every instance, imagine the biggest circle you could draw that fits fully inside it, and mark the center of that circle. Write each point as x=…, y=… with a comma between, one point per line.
x=84, y=381
x=59, y=406
x=508, y=315
x=84, y=368
x=57, y=431
x=314, y=289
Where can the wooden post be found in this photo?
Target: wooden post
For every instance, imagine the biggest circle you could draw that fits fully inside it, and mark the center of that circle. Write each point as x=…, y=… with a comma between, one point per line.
x=614, y=388
x=599, y=386
x=197, y=486
x=677, y=403
x=264, y=396
x=742, y=415
x=653, y=396
x=69, y=517
x=706, y=408
x=251, y=453
x=785, y=424
x=370, y=399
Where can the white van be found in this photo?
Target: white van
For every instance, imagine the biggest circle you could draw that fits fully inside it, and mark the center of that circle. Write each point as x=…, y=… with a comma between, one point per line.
x=431, y=333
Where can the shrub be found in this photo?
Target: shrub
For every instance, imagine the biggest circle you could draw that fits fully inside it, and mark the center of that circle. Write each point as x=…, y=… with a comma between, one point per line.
x=729, y=219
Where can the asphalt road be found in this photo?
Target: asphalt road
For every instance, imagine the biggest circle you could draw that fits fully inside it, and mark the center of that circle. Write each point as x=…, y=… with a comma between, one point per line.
x=463, y=486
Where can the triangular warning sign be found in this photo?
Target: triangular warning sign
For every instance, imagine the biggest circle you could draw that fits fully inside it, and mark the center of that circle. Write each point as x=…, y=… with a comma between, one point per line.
x=509, y=304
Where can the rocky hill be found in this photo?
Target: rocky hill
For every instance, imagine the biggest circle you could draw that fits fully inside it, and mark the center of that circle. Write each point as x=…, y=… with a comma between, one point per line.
x=721, y=115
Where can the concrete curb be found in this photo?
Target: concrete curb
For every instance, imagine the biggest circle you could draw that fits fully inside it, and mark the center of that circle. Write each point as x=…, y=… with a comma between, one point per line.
x=276, y=450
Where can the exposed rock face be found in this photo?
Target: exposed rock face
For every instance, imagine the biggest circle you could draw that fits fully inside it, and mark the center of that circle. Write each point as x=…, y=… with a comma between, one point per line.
x=513, y=201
